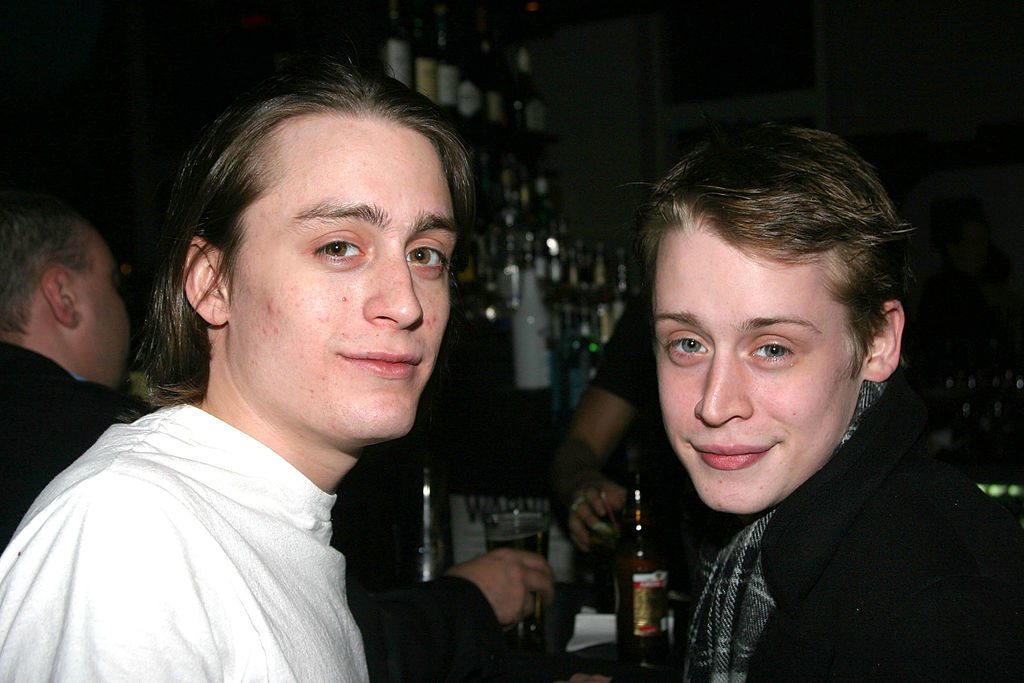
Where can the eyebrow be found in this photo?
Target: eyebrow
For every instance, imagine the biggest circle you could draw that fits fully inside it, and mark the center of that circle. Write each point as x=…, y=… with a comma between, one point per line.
x=372, y=214
x=753, y=324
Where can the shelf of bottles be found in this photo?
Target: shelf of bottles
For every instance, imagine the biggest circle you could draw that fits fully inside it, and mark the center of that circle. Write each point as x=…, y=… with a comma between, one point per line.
x=522, y=275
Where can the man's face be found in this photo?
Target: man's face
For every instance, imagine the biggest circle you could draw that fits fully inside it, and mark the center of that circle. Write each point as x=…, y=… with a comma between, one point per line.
x=753, y=369
x=339, y=298
x=103, y=355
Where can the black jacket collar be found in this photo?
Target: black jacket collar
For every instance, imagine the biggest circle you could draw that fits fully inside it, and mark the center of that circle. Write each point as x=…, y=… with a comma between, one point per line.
x=798, y=543
x=17, y=360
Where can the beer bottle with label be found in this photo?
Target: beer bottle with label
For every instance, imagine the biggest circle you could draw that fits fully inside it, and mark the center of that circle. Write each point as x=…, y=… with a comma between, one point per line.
x=641, y=583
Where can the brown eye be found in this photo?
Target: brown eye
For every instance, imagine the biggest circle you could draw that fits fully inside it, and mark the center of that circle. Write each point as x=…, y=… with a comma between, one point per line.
x=338, y=249
x=426, y=256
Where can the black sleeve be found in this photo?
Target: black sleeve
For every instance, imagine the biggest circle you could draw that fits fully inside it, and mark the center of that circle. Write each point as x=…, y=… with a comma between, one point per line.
x=440, y=630
x=627, y=367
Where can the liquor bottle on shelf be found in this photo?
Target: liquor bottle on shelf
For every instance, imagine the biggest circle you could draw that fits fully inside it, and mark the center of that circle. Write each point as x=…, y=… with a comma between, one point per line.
x=542, y=215
x=397, y=48
x=641, y=582
x=529, y=110
x=601, y=295
x=425, y=49
x=530, y=329
x=584, y=276
x=557, y=243
x=622, y=288
x=473, y=77
x=499, y=80
x=447, y=68
x=579, y=353
x=509, y=277
x=599, y=273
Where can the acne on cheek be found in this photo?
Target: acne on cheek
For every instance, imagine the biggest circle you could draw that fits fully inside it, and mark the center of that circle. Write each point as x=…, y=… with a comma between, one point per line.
x=267, y=327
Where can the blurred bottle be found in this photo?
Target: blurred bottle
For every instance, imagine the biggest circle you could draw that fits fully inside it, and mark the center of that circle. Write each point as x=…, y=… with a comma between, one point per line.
x=397, y=48
x=622, y=290
x=528, y=109
x=641, y=583
x=530, y=328
x=509, y=279
x=447, y=69
x=434, y=550
x=424, y=40
x=474, y=77
x=496, y=78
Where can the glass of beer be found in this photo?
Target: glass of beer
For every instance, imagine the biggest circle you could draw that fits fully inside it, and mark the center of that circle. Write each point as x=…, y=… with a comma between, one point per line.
x=522, y=530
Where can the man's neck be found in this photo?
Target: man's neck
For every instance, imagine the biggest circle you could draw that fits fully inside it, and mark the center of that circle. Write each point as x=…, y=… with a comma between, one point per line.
x=323, y=464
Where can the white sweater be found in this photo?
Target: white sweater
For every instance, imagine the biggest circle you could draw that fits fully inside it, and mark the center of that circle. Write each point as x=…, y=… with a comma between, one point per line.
x=177, y=548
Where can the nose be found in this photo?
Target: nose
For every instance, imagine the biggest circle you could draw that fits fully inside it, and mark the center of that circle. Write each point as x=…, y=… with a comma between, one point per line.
x=393, y=299
x=725, y=393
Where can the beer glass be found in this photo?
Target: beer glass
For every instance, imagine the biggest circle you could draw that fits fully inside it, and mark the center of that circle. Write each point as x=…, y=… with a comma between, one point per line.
x=522, y=530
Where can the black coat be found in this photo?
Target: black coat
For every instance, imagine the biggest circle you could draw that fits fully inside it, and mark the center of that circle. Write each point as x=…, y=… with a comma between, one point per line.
x=888, y=565
x=47, y=419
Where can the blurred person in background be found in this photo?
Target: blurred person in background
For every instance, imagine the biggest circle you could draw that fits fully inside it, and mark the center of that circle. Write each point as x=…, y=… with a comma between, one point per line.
x=969, y=314
x=64, y=341
x=965, y=349
x=297, y=315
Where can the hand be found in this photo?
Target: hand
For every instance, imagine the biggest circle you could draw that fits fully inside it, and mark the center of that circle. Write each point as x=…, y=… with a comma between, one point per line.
x=510, y=579
x=591, y=504
x=587, y=678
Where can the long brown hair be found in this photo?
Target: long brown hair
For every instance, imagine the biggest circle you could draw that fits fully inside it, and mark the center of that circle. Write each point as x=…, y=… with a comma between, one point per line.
x=227, y=170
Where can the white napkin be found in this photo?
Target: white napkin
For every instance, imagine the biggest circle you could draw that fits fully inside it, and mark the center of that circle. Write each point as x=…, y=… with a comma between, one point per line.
x=591, y=629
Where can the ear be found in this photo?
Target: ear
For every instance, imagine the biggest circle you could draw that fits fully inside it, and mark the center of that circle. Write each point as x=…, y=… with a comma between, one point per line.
x=883, y=355
x=205, y=285
x=56, y=287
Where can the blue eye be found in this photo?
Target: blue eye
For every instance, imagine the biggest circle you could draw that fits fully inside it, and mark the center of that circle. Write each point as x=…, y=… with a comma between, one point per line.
x=772, y=351
x=339, y=249
x=688, y=345
x=427, y=256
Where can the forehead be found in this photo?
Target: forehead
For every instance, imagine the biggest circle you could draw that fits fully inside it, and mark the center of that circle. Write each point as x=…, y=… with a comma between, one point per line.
x=314, y=159
x=299, y=145
x=702, y=274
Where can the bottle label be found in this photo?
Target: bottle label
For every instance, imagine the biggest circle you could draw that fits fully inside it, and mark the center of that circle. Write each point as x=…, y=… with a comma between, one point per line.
x=650, y=603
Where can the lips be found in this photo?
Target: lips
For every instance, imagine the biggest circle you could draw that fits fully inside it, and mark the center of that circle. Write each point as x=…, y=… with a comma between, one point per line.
x=732, y=457
x=385, y=364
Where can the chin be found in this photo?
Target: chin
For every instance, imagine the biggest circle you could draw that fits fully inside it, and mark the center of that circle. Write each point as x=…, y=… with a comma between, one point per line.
x=388, y=427
x=731, y=502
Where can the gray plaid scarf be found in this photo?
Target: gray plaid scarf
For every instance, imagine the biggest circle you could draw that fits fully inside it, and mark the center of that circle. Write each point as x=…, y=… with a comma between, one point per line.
x=735, y=605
